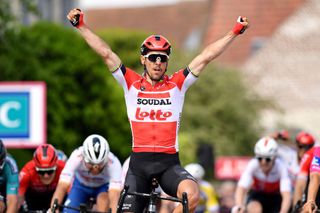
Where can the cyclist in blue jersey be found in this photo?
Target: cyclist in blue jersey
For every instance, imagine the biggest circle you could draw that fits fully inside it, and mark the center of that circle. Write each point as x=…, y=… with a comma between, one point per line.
x=92, y=171
x=9, y=181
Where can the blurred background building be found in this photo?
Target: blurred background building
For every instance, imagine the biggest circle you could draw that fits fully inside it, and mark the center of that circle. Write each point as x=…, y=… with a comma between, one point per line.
x=50, y=10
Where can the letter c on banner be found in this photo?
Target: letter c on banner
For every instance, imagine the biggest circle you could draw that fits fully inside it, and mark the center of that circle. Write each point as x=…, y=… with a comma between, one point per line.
x=4, y=112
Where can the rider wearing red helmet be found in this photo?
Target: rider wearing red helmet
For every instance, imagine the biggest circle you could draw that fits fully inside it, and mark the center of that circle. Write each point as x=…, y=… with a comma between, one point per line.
x=39, y=178
x=154, y=103
x=155, y=43
x=155, y=47
x=305, y=146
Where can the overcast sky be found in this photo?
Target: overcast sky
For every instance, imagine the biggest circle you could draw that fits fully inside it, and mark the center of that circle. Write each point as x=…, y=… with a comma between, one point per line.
x=90, y=4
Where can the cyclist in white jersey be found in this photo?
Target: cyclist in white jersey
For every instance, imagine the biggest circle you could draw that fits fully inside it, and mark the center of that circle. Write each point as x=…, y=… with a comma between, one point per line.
x=154, y=104
x=266, y=181
x=92, y=171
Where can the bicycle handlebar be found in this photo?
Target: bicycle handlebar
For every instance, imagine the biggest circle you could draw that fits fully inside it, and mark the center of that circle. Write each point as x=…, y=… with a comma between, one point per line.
x=153, y=195
x=82, y=208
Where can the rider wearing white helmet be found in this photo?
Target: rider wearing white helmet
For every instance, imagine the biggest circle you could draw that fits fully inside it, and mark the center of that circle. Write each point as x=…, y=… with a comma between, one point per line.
x=196, y=170
x=95, y=150
x=94, y=172
x=266, y=147
x=266, y=181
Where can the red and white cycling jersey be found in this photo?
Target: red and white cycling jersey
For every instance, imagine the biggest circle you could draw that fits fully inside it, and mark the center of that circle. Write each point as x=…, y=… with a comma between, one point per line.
x=306, y=163
x=276, y=181
x=30, y=180
x=154, y=112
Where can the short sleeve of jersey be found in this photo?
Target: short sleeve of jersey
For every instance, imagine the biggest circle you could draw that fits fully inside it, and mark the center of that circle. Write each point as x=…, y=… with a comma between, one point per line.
x=126, y=77
x=183, y=78
x=24, y=179
x=315, y=164
x=247, y=176
x=12, y=173
x=71, y=166
x=115, y=171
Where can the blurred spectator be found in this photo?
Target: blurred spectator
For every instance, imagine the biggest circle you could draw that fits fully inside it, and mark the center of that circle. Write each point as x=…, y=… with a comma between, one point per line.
x=226, y=196
x=208, y=201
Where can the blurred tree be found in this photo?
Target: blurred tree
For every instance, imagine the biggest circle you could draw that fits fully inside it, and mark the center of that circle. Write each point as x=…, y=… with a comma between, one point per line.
x=220, y=110
x=8, y=18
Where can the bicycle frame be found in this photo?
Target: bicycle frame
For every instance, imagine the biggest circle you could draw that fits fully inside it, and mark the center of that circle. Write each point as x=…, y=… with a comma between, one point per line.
x=153, y=198
x=83, y=208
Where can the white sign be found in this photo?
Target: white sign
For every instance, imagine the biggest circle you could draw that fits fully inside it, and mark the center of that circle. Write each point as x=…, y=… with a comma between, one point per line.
x=23, y=114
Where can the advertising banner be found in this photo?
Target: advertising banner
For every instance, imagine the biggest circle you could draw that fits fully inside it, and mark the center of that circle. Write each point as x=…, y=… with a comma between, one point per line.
x=23, y=114
x=230, y=167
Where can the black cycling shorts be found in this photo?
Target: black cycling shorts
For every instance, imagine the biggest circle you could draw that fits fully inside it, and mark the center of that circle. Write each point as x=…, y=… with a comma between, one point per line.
x=271, y=202
x=145, y=166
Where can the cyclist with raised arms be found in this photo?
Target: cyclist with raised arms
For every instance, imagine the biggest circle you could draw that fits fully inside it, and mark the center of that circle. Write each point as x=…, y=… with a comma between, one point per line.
x=154, y=105
x=91, y=171
x=265, y=181
x=39, y=179
x=9, y=181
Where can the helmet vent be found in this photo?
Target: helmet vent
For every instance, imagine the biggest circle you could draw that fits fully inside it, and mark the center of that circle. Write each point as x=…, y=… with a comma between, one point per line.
x=157, y=37
x=96, y=146
x=45, y=151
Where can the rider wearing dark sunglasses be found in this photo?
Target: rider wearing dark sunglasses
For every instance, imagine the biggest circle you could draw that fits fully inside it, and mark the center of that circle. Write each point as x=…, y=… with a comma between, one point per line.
x=39, y=178
x=264, y=185
x=154, y=104
x=48, y=171
x=155, y=57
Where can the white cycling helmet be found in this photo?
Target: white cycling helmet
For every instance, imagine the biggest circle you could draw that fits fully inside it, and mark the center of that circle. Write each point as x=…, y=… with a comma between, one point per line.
x=196, y=170
x=95, y=149
x=266, y=147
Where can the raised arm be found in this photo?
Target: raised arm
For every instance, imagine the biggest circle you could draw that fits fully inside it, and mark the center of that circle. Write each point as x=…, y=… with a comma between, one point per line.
x=76, y=16
x=214, y=49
